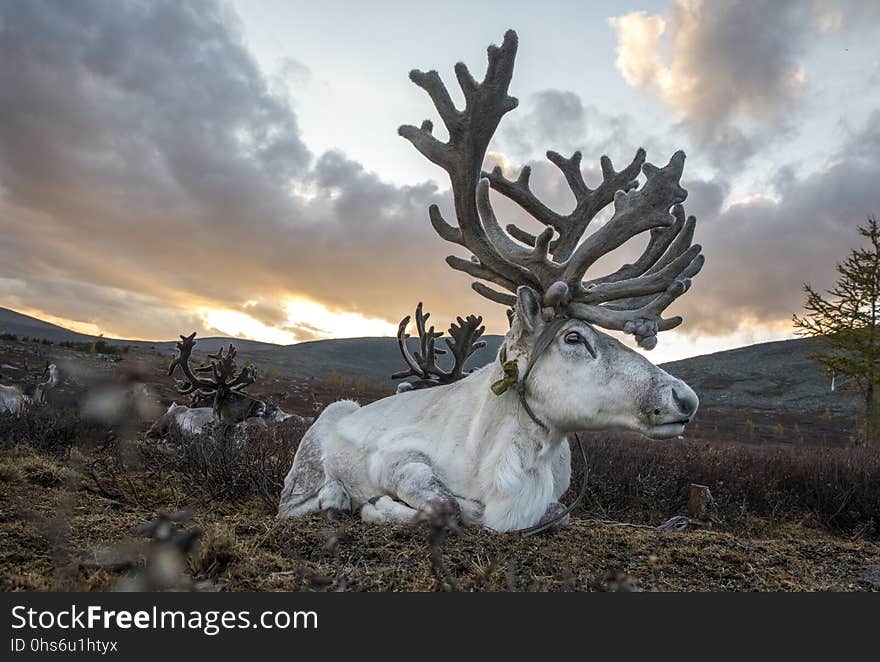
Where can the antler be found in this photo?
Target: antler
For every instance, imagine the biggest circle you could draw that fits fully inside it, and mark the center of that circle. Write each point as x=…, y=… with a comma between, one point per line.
x=633, y=298
x=424, y=364
x=225, y=377
x=464, y=340
x=191, y=382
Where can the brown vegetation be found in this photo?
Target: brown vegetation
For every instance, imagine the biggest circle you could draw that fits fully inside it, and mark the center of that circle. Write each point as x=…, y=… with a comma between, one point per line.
x=74, y=498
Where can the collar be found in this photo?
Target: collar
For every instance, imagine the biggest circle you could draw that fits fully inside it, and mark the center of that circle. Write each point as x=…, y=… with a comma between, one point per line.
x=510, y=367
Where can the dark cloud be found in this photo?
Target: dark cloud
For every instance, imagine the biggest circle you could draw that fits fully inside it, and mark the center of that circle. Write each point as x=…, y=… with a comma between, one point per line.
x=141, y=146
x=705, y=197
x=267, y=312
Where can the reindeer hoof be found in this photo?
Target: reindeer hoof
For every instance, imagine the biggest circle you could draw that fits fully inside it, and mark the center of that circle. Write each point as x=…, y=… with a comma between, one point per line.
x=443, y=515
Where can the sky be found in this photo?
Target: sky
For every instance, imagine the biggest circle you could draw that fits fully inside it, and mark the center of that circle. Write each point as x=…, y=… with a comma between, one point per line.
x=234, y=167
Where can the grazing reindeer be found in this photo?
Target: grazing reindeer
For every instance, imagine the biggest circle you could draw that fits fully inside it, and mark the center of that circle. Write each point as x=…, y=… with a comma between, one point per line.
x=464, y=340
x=219, y=381
x=492, y=448
x=13, y=400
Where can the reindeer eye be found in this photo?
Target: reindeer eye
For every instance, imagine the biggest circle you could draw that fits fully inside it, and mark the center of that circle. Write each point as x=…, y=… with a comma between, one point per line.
x=574, y=338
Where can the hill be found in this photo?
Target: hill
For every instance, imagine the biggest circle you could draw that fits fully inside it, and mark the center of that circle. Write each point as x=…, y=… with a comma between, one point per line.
x=768, y=383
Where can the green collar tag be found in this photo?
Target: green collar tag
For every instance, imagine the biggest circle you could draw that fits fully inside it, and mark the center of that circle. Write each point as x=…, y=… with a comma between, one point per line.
x=511, y=373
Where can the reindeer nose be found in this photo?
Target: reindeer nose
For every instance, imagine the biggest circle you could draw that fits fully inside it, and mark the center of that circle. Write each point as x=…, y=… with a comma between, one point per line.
x=686, y=400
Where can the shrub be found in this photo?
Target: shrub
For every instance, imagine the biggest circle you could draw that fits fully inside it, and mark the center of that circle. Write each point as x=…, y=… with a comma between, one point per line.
x=271, y=374
x=98, y=346
x=47, y=430
x=749, y=429
x=234, y=463
x=361, y=385
x=779, y=431
x=638, y=479
x=335, y=380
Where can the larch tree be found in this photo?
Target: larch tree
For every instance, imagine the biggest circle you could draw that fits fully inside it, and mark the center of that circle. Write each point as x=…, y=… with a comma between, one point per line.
x=846, y=320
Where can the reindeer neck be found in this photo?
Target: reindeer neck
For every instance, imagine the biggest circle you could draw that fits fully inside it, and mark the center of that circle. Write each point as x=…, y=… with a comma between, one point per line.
x=502, y=420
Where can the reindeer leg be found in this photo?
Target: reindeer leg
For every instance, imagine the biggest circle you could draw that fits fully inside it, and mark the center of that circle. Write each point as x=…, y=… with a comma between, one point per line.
x=386, y=509
x=307, y=488
x=411, y=479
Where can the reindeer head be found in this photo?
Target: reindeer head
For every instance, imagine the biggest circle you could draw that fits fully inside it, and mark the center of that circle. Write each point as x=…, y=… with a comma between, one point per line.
x=585, y=378
x=577, y=378
x=219, y=380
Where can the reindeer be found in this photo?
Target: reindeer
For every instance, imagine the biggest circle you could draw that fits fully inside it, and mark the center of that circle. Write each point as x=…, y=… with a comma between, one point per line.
x=491, y=449
x=13, y=399
x=219, y=382
x=464, y=340
x=188, y=421
x=275, y=414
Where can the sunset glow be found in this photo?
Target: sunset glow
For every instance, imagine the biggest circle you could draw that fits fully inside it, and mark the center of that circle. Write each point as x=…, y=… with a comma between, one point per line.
x=306, y=320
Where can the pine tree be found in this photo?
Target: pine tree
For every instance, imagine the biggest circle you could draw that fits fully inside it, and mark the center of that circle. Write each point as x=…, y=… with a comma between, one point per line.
x=847, y=323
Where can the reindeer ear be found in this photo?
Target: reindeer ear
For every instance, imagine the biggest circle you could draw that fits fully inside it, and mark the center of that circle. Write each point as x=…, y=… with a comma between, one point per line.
x=528, y=309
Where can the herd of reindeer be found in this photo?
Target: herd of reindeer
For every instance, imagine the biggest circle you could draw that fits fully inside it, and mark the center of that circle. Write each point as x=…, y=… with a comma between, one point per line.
x=490, y=447
x=217, y=391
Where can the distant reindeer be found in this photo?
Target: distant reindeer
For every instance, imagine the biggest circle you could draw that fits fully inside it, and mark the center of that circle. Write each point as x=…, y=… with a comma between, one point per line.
x=463, y=341
x=492, y=448
x=14, y=400
x=186, y=420
x=219, y=382
x=217, y=394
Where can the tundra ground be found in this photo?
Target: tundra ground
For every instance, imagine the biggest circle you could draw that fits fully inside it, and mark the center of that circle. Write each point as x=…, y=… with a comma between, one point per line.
x=73, y=495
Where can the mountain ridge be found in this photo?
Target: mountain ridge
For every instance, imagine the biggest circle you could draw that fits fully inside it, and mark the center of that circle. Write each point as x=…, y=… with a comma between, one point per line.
x=766, y=378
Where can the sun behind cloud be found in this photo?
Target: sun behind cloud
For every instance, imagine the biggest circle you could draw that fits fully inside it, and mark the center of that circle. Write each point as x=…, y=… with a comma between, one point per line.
x=306, y=320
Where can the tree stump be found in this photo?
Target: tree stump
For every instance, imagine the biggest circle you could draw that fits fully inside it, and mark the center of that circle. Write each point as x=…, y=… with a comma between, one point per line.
x=701, y=505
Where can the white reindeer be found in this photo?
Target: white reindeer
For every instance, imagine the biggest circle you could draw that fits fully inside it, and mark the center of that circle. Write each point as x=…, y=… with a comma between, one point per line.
x=187, y=421
x=13, y=400
x=492, y=448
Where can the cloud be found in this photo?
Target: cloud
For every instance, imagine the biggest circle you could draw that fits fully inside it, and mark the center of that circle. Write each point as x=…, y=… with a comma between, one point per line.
x=267, y=312
x=559, y=120
x=142, y=147
x=760, y=251
x=150, y=170
x=835, y=16
x=730, y=71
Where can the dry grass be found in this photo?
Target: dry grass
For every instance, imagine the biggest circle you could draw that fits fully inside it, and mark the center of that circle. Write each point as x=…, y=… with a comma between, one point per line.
x=833, y=488
x=59, y=528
